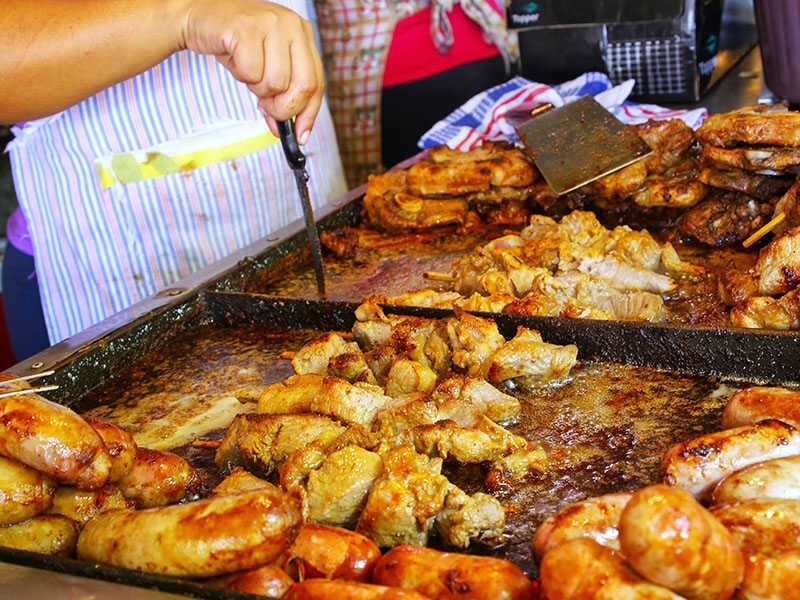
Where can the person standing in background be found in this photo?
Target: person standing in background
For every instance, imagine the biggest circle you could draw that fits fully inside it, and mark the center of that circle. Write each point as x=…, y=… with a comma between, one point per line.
x=395, y=68
x=145, y=146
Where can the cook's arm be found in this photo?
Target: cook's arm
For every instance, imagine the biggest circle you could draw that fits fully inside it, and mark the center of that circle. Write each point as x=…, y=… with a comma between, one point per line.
x=58, y=52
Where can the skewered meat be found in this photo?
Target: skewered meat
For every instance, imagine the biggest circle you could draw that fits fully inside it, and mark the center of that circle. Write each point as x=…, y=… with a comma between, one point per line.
x=758, y=403
x=758, y=125
x=698, y=464
x=52, y=439
x=204, y=538
x=724, y=219
x=333, y=553
x=582, y=569
x=465, y=519
x=404, y=499
x=24, y=492
x=776, y=478
x=596, y=518
x=55, y=535
x=323, y=589
x=158, y=478
x=261, y=442
x=447, y=575
x=766, y=530
x=671, y=540
x=82, y=505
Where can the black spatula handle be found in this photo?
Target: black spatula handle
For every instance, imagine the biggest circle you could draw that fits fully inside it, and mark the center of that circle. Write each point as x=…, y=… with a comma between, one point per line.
x=291, y=148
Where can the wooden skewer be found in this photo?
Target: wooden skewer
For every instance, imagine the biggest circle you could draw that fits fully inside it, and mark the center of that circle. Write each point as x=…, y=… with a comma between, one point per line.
x=33, y=390
x=438, y=276
x=762, y=231
x=27, y=377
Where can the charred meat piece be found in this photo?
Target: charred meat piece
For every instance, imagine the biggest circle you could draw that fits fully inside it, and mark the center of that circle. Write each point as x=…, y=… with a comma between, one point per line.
x=758, y=125
x=762, y=187
x=773, y=160
x=766, y=312
x=724, y=219
x=778, y=264
x=466, y=519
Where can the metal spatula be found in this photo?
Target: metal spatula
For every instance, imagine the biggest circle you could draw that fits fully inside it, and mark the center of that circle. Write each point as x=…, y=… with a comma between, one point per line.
x=579, y=142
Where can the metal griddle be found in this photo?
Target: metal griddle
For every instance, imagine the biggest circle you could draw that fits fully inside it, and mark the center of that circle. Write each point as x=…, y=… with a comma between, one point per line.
x=218, y=316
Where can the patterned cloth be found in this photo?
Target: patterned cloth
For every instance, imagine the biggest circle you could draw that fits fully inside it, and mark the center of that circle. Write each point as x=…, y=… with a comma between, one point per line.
x=102, y=245
x=484, y=116
x=356, y=35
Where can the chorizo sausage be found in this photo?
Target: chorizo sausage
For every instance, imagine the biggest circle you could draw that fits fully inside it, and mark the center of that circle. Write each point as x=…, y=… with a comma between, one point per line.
x=671, y=539
x=583, y=569
x=53, y=439
x=753, y=404
x=157, y=478
x=446, y=575
x=698, y=464
x=776, y=478
x=205, y=538
x=330, y=589
x=24, y=492
x=597, y=518
x=767, y=532
x=334, y=552
x=270, y=581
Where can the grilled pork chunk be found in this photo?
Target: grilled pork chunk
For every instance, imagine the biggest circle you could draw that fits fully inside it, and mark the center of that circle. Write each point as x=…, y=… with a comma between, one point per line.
x=778, y=264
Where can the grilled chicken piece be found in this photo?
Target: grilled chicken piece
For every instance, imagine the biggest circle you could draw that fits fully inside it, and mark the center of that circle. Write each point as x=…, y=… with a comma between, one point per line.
x=788, y=205
x=485, y=441
x=158, y=478
x=762, y=187
x=404, y=500
x=625, y=277
x=619, y=184
x=409, y=376
x=670, y=140
x=679, y=188
x=737, y=285
x=331, y=354
x=240, y=480
x=351, y=403
x=724, y=219
x=528, y=360
x=765, y=159
x=82, y=505
x=261, y=442
x=778, y=264
x=336, y=491
x=759, y=125
x=466, y=519
x=472, y=340
x=405, y=212
x=506, y=470
x=766, y=312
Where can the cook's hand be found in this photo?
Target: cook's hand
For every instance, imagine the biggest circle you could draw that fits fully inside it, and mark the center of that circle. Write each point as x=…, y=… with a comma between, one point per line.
x=267, y=46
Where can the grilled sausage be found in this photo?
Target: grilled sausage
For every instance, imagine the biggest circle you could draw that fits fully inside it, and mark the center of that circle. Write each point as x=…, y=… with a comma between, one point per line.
x=776, y=478
x=329, y=589
x=671, y=540
x=55, y=535
x=698, y=464
x=82, y=505
x=334, y=552
x=158, y=478
x=767, y=531
x=758, y=403
x=269, y=581
x=24, y=492
x=209, y=537
x=596, y=518
x=119, y=443
x=583, y=569
x=54, y=440
x=445, y=575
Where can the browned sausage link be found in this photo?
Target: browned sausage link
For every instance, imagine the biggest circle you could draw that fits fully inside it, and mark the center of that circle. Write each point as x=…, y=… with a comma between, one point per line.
x=670, y=539
x=270, y=581
x=24, y=492
x=443, y=575
x=54, y=440
x=329, y=589
x=158, y=478
x=119, y=443
x=750, y=405
x=775, y=478
x=767, y=530
x=44, y=534
x=334, y=552
x=582, y=569
x=596, y=518
x=82, y=505
x=210, y=537
x=698, y=464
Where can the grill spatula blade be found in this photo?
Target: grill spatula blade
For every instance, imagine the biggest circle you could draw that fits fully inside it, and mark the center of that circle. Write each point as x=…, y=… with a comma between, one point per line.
x=579, y=142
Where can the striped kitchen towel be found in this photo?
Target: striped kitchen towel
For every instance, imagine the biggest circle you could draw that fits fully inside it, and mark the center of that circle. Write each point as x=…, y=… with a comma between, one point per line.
x=485, y=116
